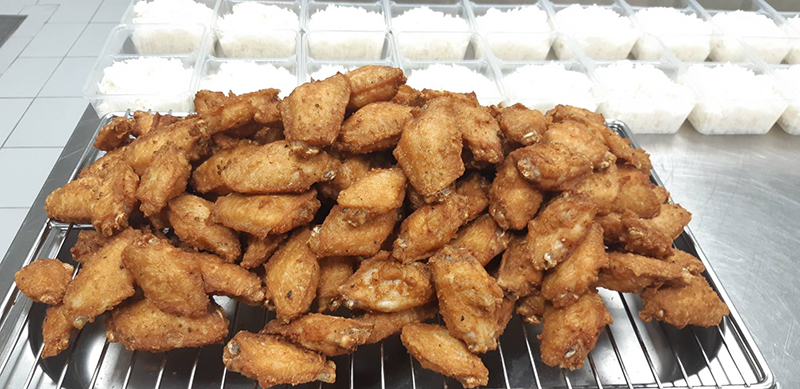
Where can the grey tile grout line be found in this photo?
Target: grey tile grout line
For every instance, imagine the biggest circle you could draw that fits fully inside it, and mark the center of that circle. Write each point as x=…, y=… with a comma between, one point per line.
x=2, y=145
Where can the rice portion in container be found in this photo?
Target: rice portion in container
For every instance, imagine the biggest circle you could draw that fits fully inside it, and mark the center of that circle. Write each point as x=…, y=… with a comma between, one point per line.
x=425, y=34
x=734, y=100
x=758, y=31
x=644, y=97
x=346, y=32
x=542, y=87
x=187, y=21
x=790, y=120
x=792, y=29
x=687, y=36
x=256, y=30
x=145, y=83
x=247, y=76
x=455, y=78
x=516, y=34
x=601, y=32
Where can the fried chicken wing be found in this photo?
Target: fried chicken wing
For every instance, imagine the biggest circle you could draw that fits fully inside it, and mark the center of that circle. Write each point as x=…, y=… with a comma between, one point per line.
x=378, y=192
x=44, y=280
x=190, y=218
x=142, y=326
x=56, y=331
x=313, y=113
x=338, y=237
x=602, y=187
x=531, y=307
x=437, y=350
x=631, y=273
x=227, y=279
x=372, y=83
x=387, y=324
x=408, y=96
x=469, y=298
x=686, y=261
x=429, y=150
x=292, y=277
x=516, y=275
x=680, y=305
x=384, y=285
x=89, y=241
x=263, y=215
x=565, y=283
x=513, y=200
x=581, y=141
x=479, y=131
x=329, y=335
x=170, y=278
x=570, y=333
x=483, y=238
x=190, y=135
x=333, y=273
x=115, y=134
x=351, y=169
x=259, y=250
x=102, y=283
x=475, y=188
x=271, y=168
x=254, y=356
x=521, y=124
x=163, y=180
x=636, y=194
x=430, y=228
x=550, y=166
x=206, y=101
x=558, y=229
x=374, y=127
x=145, y=122
x=654, y=237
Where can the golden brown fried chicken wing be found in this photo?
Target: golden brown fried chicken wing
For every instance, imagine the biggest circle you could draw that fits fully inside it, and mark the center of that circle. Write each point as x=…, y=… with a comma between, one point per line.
x=680, y=305
x=227, y=279
x=44, y=280
x=581, y=141
x=145, y=122
x=254, y=356
x=636, y=194
x=429, y=150
x=102, y=283
x=516, y=275
x=521, y=124
x=271, y=168
x=558, y=229
x=387, y=324
x=602, y=187
x=313, y=113
x=469, y=298
x=479, y=130
x=117, y=133
x=565, y=283
x=338, y=237
x=686, y=261
x=292, y=277
x=56, y=331
x=189, y=134
x=550, y=166
x=142, y=326
x=259, y=250
x=513, y=200
x=378, y=192
x=170, y=278
x=263, y=215
x=483, y=238
x=88, y=242
x=333, y=273
x=206, y=101
x=654, y=237
x=373, y=83
x=384, y=285
x=475, y=188
x=190, y=218
x=570, y=333
x=351, y=169
x=531, y=307
x=408, y=96
x=163, y=180
x=375, y=127
x=631, y=273
x=437, y=350
x=430, y=228
x=329, y=335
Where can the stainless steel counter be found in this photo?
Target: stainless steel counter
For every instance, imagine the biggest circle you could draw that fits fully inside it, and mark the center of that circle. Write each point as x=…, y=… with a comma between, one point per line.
x=744, y=195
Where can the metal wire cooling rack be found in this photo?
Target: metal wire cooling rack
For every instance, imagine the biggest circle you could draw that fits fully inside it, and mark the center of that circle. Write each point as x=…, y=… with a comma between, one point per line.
x=629, y=354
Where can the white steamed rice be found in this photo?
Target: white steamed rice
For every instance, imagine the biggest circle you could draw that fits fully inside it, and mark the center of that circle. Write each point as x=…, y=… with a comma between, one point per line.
x=455, y=78
x=165, y=82
x=600, y=32
x=542, y=87
x=425, y=34
x=257, y=30
x=247, y=76
x=187, y=19
x=685, y=35
x=759, y=32
x=516, y=34
x=790, y=120
x=346, y=32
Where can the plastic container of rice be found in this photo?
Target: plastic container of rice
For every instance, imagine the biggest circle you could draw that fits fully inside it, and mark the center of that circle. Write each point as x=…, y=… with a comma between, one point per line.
x=170, y=26
x=790, y=76
x=320, y=70
x=684, y=28
x=543, y=85
x=257, y=29
x=603, y=30
x=790, y=11
x=354, y=31
x=246, y=75
x=431, y=33
x=515, y=33
x=461, y=77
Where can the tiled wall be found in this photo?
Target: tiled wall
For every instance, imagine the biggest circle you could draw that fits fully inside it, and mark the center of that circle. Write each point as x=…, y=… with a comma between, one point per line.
x=42, y=69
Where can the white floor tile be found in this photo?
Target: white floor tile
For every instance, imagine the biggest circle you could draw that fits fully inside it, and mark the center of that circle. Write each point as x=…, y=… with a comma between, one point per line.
x=75, y=11
x=54, y=40
x=49, y=122
x=69, y=77
x=37, y=17
x=10, y=50
x=26, y=76
x=28, y=181
x=12, y=220
x=111, y=11
x=91, y=41
x=11, y=111
x=10, y=8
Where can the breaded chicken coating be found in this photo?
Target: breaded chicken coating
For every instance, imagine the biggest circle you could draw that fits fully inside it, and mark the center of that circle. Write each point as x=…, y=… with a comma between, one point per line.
x=44, y=280
x=292, y=277
x=680, y=305
x=56, y=331
x=437, y=350
x=190, y=218
x=378, y=192
x=550, y=166
x=387, y=324
x=263, y=215
x=631, y=273
x=558, y=229
x=565, y=283
x=580, y=141
x=516, y=275
x=372, y=83
x=513, y=200
x=163, y=180
x=258, y=251
x=329, y=335
x=375, y=127
x=313, y=113
x=385, y=285
x=483, y=238
x=338, y=237
x=227, y=279
x=333, y=273
x=570, y=333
